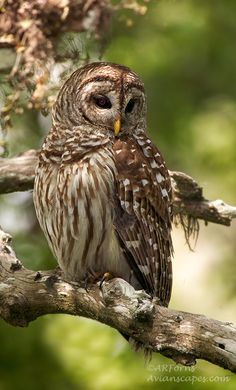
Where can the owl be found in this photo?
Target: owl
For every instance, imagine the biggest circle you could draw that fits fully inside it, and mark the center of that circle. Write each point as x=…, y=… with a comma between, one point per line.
x=102, y=191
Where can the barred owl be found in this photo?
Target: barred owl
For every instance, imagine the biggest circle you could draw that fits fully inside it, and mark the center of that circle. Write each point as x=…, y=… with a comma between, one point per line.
x=102, y=191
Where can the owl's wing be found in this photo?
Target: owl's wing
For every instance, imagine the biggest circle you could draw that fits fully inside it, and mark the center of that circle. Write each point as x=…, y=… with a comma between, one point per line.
x=143, y=223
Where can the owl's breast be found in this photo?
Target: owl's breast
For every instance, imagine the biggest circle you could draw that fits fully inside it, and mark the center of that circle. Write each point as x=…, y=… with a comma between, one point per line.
x=79, y=219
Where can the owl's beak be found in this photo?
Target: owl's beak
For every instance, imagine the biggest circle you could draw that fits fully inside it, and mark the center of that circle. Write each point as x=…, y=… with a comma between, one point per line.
x=117, y=125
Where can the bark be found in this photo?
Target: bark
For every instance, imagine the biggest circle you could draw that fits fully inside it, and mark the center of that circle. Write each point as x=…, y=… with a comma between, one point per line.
x=184, y=337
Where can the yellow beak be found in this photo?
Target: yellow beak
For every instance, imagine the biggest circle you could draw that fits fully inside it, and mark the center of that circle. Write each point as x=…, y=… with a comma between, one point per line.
x=117, y=124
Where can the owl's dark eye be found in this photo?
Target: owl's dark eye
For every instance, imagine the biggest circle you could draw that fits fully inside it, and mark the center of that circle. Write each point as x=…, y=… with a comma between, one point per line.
x=130, y=106
x=102, y=102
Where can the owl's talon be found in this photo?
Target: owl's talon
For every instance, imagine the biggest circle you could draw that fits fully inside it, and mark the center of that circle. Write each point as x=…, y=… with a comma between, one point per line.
x=85, y=282
x=107, y=276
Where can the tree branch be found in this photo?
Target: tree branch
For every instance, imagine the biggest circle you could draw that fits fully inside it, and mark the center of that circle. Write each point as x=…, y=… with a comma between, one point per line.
x=184, y=337
x=17, y=174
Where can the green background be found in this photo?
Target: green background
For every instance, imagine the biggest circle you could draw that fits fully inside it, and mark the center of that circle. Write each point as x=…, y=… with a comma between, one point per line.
x=185, y=51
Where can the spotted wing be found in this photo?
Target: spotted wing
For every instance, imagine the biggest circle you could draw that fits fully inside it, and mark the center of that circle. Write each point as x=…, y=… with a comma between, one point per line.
x=144, y=192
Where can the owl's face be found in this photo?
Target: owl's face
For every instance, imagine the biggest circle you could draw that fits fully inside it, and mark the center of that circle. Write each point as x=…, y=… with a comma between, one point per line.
x=102, y=97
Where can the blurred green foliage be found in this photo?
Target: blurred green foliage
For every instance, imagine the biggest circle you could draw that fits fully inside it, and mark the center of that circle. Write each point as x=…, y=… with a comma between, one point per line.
x=185, y=51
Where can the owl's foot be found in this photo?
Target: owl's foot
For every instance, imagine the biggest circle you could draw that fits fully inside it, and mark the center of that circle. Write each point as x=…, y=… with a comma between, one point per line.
x=95, y=277
x=90, y=277
x=85, y=282
x=105, y=277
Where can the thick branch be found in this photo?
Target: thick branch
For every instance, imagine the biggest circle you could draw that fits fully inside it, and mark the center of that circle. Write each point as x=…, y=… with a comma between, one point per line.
x=189, y=201
x=17, y=174
x=184, y=337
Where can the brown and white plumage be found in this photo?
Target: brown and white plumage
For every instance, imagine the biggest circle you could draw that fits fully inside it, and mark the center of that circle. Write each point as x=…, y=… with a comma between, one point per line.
x=102, y=191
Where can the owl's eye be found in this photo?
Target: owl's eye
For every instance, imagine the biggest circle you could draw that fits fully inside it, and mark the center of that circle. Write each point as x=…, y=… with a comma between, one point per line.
x=130, y=106
x=102, y=102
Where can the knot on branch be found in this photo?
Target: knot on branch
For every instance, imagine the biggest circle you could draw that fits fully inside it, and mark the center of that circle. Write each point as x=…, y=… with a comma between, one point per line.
x=116, y=288
x=13, y=307
x=180, y=358
x=144, y=312
x=122, y=296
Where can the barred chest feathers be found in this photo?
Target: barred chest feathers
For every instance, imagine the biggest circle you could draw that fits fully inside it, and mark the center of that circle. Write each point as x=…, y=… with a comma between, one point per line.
x=80, y=203
x=103, y=193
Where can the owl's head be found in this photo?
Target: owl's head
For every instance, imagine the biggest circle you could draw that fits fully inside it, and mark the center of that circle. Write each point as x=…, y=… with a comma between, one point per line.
x=103, y=97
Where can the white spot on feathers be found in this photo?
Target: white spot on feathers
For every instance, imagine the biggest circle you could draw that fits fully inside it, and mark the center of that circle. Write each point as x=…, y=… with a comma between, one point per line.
x=144, y=269
x=144, y=182
x=164, y=192
x=141, y=142
x=127, y=204
x=132, y=244
x=159, y=178
x=146, y=151
x=126, y=182
x=154, y=164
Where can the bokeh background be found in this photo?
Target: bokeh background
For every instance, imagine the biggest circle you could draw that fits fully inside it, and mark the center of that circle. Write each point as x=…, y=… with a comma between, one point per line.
x=185, y=51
